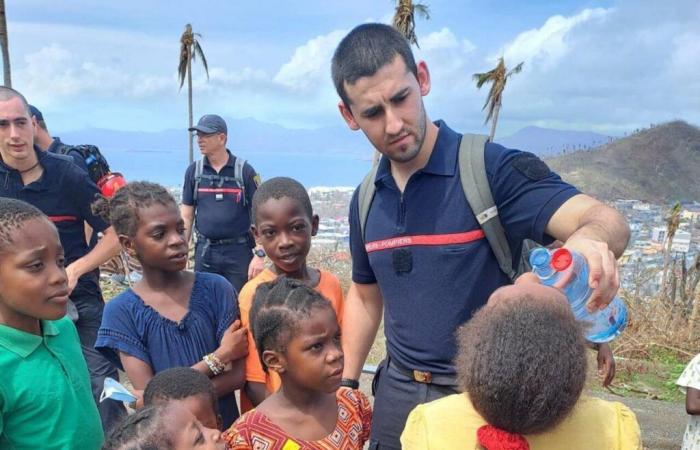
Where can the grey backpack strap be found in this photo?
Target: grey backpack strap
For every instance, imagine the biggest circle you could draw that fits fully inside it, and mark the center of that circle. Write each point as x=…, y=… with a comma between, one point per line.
x=198, y=170
x=364, y=198
x=472, y=169
x=238, y=175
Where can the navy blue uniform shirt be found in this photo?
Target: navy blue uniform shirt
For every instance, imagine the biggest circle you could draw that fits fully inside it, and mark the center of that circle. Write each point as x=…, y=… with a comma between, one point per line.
x=429, y=256
x=221, y=213
x=65, y=193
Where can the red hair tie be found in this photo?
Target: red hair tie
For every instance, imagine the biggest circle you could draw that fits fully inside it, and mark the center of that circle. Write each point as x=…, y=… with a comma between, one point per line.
x=493, y=438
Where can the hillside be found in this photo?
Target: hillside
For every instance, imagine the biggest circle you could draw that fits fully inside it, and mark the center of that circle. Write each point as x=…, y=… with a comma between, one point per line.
x=660, y=164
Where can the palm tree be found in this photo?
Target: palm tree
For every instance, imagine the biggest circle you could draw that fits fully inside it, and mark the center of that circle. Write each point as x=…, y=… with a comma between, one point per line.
x=189, y=49
x=4, y=46
x=672, y=223
x=404, y=18
x=498, y=78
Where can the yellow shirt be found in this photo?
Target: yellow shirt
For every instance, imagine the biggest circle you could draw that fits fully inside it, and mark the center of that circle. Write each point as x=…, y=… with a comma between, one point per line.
x=451, y=423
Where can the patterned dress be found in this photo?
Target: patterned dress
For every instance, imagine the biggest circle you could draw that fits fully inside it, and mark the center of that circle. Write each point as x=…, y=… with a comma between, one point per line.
x=254, y=430
x=690, y=378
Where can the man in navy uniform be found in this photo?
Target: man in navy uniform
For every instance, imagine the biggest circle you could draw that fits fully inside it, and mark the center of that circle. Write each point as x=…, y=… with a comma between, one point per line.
x=216, y=206
x=423, y=260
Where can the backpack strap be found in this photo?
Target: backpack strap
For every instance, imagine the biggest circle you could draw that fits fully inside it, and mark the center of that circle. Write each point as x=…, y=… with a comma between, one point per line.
x=365, y=197
x=198, y=170
x=472, y=169
x=238, y=175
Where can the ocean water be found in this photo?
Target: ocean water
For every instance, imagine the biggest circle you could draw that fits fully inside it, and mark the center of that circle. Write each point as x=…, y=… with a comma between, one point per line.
x=168, y=167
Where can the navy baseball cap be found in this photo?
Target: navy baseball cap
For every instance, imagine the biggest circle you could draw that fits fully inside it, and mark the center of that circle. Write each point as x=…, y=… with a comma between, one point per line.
x=210, y=123
x=34, y=112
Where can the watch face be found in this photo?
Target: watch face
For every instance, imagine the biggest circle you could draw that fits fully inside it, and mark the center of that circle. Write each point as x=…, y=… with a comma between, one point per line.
x=259, y=253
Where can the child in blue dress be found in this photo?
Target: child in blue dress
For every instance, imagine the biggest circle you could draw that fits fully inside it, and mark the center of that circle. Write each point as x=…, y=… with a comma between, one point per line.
x=171, y=317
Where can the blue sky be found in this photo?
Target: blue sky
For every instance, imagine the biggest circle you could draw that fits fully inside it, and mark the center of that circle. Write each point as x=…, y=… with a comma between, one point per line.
x=606, y=66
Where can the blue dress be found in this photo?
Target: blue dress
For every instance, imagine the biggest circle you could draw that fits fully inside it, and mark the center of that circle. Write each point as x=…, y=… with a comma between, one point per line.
x=131, y=326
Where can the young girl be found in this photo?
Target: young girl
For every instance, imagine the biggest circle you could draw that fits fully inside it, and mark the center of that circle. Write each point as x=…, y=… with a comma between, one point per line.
x=171, y=317
x=522, y=366
x=284, y=224
x=297, y=337
x=163, y=426
x=45, y=395
x=690, y=382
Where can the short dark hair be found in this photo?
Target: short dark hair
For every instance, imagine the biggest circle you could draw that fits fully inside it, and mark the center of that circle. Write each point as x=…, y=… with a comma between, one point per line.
x=178, y=383
x=122, y=210
x=13, y=214
x=522, y=362
x=142, y=430
x=278, y=306
x=7, y=93
x=365, y=50
x=280, y=187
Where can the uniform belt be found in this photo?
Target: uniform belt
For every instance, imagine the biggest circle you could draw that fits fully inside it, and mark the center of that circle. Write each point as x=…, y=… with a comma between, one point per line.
x=421, y=376
x=235, y=240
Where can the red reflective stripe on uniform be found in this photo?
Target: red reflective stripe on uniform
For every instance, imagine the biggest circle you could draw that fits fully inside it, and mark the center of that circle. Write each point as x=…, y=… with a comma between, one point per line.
x=425, y=239
x=62, y=218
x=221, y=190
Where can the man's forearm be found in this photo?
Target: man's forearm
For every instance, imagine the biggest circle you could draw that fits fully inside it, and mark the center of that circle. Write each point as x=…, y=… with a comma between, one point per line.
x=104, y=250
x=603, y=223
x=361, y=318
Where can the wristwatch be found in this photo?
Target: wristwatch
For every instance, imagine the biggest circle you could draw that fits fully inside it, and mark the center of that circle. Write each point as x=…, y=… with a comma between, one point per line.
x=350, y=383
x=259, y=252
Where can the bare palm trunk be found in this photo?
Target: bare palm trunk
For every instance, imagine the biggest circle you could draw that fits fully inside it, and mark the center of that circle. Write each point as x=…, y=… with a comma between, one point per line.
x=189, y=104
x=5, y=46
x=692, y=323
x=494, y=120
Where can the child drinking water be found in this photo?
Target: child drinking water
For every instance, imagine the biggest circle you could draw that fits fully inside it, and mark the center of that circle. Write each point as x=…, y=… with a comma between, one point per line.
x=283, y=224
x=192, y=389
x=690, y=382
x=298, y=338
x=171, y=317
x=163, y=426
x=522, y=366
x=45, y=395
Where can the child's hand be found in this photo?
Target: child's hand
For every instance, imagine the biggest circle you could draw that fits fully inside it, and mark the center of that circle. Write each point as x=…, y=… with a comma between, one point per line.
x=234, y=343
x=606, y=364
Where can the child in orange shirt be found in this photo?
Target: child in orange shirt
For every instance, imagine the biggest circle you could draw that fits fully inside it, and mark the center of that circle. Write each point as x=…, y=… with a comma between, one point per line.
x=283, y=224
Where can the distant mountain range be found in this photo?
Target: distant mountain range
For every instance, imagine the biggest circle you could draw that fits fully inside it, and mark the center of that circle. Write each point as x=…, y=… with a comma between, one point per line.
x=659, y=164
x=547, y=142
x=255, y=136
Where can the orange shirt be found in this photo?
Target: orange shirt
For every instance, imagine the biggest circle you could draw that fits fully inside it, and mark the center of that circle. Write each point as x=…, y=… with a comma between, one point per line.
x=328, y=286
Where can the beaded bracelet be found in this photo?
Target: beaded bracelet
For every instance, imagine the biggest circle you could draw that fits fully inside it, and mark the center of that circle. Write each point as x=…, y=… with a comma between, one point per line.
x=214, y=363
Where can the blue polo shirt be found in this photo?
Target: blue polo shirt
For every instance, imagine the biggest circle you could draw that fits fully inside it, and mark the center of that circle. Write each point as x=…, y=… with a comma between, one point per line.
x=64, y=192
x=221, y=211
x=427, y=253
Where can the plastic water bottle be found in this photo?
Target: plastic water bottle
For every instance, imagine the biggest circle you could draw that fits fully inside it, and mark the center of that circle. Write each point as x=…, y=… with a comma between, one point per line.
x=599, y=326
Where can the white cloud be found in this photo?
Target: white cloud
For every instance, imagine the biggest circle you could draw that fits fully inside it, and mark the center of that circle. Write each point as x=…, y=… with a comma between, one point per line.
x=439, y=40
x=310, y=63
x=549, y=42
x=54, y=73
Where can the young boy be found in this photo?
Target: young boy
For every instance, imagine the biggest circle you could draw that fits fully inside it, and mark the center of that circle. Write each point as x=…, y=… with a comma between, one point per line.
x=191, y=388
x=284, y=223
x=45, y=394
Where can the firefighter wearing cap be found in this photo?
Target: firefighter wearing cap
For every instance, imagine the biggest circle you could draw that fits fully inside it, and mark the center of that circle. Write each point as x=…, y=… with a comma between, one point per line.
x=64, y=192
x=216, y=205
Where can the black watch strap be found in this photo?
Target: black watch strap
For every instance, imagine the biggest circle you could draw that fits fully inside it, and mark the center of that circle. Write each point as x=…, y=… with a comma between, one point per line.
x=350, y=383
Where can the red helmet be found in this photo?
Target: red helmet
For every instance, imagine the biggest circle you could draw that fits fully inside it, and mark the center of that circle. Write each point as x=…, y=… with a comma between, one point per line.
x=111, y=183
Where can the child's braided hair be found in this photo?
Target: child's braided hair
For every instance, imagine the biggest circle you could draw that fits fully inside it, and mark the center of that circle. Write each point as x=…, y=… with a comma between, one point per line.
x=277, y=307
x=13, y=215
x=143, y=430
x=122, y=210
